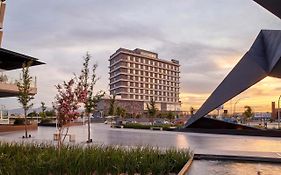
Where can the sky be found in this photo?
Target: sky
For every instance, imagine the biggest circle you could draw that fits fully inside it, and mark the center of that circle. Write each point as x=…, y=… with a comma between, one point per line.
x=208, y=37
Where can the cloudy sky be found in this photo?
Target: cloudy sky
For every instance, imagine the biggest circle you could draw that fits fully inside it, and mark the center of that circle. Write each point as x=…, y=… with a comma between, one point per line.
x=208, y=37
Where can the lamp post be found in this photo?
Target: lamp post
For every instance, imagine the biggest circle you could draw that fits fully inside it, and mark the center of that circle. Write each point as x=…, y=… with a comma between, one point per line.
x=278, y=112
x=237, y=101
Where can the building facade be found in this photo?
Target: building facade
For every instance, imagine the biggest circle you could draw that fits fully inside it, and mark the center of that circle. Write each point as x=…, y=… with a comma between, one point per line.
x=139, y=75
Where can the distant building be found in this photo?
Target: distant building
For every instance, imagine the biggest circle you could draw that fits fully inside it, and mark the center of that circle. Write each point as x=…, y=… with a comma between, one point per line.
x=274, y=111
x=138, y=75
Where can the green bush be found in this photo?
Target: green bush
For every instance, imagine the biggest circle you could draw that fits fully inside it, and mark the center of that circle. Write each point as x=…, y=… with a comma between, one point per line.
x=42, y=159
x=46, y=120
x=19, y=121
x=136, y=126
x=166, y=127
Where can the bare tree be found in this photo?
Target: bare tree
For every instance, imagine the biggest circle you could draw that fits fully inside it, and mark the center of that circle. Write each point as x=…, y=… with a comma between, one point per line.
x=86, y=88
x=24, y=96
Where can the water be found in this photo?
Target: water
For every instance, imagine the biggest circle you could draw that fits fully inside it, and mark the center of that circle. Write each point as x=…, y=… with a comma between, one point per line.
x=233, y=168
x=199, y=143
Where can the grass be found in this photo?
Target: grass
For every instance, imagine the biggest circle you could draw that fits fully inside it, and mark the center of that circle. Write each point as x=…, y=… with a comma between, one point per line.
x=42, y=159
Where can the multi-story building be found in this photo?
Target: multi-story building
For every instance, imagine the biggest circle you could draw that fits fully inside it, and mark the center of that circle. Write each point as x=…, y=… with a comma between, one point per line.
x=139, y=75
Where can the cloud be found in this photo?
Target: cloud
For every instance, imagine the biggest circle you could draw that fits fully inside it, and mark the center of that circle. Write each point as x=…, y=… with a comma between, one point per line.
x=207, y=37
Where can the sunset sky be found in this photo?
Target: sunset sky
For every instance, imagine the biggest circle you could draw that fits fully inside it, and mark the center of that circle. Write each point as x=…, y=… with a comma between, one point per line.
x=208, y=37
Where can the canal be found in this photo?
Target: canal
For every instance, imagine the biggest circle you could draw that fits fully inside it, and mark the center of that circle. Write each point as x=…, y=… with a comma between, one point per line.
x=199, y=143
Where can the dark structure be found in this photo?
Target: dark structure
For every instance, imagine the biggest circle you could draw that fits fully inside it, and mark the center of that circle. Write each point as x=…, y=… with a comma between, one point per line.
x=271, y=5
x=10, y=60
x=262, y=60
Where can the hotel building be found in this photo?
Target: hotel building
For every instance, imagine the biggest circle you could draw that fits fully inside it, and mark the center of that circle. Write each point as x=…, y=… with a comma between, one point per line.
x=137, y=76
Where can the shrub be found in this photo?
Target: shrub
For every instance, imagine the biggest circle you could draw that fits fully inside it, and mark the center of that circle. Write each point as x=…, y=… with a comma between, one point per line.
x=44, y=159
x=166, y=127
x=46, y=121
x=136, y=126
x=19, y=121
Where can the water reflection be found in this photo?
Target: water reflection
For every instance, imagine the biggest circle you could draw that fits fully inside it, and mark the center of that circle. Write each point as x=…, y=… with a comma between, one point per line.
x=181, y=141
x=199, y=143
x=233, y=168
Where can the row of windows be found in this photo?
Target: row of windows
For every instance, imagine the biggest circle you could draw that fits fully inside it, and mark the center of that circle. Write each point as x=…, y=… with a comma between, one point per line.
x=144, y=73
x=146, y=80
x=154, y=69
x=145, y=97
x=154, y=74
x=152, y=62
x=152, y=92
x=148, y=86
x=143, y=69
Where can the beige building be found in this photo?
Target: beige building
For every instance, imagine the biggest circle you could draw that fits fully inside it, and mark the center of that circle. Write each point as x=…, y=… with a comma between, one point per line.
x=139, y=75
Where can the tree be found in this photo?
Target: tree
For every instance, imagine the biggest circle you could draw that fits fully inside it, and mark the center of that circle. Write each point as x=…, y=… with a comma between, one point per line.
x=248, y=113
x=85, y=90
x=24, y=96
x=151, y=109
x=112, y=110
x=32, y=114
x=192, y=110
x=66, y=106
x=170, y=116
x=50, y=113
x=43, y=110
x=121, y=112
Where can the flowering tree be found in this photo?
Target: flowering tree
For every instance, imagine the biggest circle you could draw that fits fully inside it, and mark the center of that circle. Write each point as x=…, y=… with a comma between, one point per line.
x=85, y=90
x=24, y=96
x=66, y=106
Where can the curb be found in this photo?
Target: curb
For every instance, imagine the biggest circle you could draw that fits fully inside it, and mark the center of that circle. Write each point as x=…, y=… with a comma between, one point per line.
x=237, y=158
x=186, y=167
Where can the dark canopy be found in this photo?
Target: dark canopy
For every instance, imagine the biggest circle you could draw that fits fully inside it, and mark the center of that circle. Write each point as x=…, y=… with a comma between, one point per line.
x=274, y=6
x=10, y=60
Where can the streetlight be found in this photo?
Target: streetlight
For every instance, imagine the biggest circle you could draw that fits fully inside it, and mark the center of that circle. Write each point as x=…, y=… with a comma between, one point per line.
x=278, y=112
x=237, y=102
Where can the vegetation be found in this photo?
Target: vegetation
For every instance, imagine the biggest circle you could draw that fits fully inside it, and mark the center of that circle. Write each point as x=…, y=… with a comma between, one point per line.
x=86, y=90
x=121, y=112
x=248, y=113
x=43, y=111
x=151, y=109
x=42, y=159
x=19, y=121
x=165, y=127
x=24, y=96
x=66, y=105
x=112, y=106
x=192, y=110
x=32, y=114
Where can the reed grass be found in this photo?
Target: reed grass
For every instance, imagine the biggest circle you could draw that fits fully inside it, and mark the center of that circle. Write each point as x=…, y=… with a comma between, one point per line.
x=41, y=159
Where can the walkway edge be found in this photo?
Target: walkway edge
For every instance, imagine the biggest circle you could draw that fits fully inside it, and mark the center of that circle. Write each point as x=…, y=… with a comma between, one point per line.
x=237, y=158
x=186, y=167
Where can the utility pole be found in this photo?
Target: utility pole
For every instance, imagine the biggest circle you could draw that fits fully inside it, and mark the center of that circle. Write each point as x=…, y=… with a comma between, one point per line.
x=278, y=112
